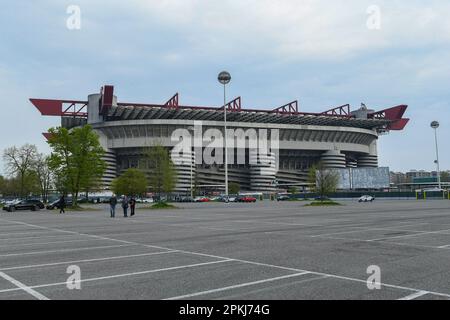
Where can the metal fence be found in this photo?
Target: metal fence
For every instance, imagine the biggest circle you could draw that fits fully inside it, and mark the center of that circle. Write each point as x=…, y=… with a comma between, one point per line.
x=379, y=194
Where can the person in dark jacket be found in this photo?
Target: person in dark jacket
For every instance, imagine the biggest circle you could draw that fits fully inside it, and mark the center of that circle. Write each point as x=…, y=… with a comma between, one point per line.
x=125, y=206
x=112, y=204
x=62, y=204
x=132, y=206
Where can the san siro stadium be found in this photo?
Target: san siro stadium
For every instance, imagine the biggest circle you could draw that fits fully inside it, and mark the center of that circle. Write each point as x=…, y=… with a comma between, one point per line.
x=339, y=138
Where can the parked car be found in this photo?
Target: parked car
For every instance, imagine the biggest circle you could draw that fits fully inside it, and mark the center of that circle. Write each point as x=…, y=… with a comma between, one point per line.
x=29, y=204
x=186, y=199
x=8, y=202
x=322, y=198
x=366, y=198
x=55, y=204
x=283, y=197
x=246, y=199
x=230, y=198
x=202, y=199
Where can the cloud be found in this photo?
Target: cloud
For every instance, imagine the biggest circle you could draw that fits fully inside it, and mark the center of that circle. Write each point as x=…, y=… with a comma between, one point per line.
x=318, y=51
x=307, y=29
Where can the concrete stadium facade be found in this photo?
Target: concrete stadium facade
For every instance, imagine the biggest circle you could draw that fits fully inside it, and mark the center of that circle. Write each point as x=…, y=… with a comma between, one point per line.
x=339, y=137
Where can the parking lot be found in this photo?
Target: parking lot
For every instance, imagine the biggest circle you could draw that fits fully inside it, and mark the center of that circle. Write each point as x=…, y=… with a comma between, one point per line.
x=265, y=250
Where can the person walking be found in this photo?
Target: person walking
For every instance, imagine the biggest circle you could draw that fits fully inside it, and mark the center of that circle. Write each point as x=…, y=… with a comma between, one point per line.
x=112, y=204
x=125, y=206
x=132, y=206
x=62, y=204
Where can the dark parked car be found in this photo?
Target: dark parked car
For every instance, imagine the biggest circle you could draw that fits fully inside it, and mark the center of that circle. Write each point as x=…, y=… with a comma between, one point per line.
x=283, y=197
x=55, y=204
x=322, y=198
x=186, y=199
x=30, y=204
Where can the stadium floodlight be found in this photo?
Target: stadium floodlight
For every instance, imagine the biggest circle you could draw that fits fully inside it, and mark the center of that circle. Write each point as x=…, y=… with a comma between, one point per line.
x=225, y=78
x=435, y=126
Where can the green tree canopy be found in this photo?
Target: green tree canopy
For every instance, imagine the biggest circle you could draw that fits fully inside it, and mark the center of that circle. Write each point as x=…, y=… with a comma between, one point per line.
x=43, y=175
x=325, y=181
x=77, y=158
x=162, y=171
x=445, y=176
x=2, y=185
x=132, y=182
x=293, y=190
x=19, y=164
x=234, y=188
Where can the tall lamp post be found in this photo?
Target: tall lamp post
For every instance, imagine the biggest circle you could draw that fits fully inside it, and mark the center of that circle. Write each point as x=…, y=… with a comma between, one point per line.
x=435, y=126
x=225, y=78
x=191, y=161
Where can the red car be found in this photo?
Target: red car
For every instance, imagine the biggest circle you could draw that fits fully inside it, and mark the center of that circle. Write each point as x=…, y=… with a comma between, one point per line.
x=246, y=199
x=202, y=199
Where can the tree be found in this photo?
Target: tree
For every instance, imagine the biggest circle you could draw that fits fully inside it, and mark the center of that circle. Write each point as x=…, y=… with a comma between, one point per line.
x=325, y=181
x=76, y=158
x=162, y=171
x=2, y=184
x=445, y=176
x=132, y=182
x=43, y=175
x=19, y=163
x=293, y=190
x=234, y=188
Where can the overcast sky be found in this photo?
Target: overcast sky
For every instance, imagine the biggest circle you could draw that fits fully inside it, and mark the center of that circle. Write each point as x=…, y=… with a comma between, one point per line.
x=323, y=53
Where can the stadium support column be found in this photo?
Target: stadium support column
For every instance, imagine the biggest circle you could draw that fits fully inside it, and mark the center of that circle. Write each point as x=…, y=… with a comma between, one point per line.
x=185, y=166
x=333, y=159
x=369, y=160
x=110, y=159
x=263, y=172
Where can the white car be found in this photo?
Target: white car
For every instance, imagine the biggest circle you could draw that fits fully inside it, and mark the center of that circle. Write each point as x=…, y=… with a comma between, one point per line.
x=147, y=200
x=366, y=198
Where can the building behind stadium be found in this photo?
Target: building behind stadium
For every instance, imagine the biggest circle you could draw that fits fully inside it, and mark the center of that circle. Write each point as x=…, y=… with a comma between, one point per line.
x=339, y=138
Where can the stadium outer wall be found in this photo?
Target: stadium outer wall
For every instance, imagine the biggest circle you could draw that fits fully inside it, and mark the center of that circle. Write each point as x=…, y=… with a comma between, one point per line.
x=338, y=138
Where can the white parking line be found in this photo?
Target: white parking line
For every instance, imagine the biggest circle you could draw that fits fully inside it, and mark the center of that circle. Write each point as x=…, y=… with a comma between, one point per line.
x=23, y=287
x=279, y=287
x=42, y=243
x=415, y=295
x=38, y=237
x=362, y=229
x=413, y=235
x=124, y=275
x=86, y=260
x=64, y=250
x=252, y=262
x=403, y=244
x=241, y=285
x=19, y=233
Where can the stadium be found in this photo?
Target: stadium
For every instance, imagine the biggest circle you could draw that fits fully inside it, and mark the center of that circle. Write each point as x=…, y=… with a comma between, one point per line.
x=339, y=138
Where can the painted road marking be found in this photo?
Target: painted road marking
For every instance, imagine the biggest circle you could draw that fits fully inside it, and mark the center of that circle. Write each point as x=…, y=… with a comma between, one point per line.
x=124, y=275
x=85, y=260
x=415, y=295
x=246, y=284
x=23, y=287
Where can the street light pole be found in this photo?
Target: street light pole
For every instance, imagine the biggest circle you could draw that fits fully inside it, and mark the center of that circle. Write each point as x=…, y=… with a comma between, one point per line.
x=192, y=190
x=435, y=126
x=191, y=161
x=225, y=138
x=224, y=78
